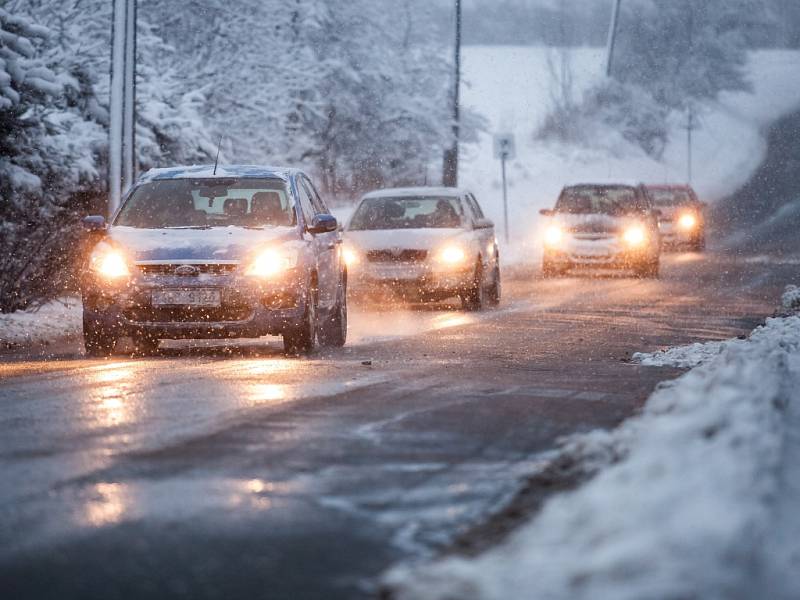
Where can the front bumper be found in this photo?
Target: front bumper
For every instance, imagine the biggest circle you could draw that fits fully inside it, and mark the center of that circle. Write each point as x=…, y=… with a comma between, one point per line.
x=603, y=254
x=248, y=308
x=420, y=278
x=673, y=235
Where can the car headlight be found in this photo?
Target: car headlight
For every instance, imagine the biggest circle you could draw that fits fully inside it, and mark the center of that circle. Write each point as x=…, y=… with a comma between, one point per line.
x=687, y=221
x=553, y=236
x=109, y=263
x=272, y=262
x=350, y=256
x=635, y=235
x=451, y=255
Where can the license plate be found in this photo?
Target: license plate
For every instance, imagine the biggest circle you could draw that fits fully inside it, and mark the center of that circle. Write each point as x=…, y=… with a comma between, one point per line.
x=186, y=298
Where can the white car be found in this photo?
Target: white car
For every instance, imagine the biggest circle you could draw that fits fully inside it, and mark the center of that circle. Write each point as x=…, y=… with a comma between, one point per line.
x=606, y=226
x=425, y=244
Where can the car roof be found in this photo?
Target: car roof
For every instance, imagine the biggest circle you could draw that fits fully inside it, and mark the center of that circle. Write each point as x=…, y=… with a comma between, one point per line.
x=605, y=183
x=207, y=172
x=411, y=192
x=668, y=186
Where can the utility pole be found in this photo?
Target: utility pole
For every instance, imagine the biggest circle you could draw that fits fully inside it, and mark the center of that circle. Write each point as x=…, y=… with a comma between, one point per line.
x=122, y=103
x=612, y=38
x=450, y=167
x=690, y=107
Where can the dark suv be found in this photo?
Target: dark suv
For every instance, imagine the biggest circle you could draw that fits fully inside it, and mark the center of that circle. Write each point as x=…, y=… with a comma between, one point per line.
x=195, y=252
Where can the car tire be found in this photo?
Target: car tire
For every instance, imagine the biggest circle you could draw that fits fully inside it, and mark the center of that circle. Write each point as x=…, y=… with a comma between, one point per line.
x=301, y=340
x=145, y=345
x=333, y=330
x=699, y=245
x=496, y=289
x=649, y=270
x=549, y=270
x=474, y=299
x=96, y=342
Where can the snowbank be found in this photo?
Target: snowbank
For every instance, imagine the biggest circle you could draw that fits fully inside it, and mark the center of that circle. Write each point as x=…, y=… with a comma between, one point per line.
x=53, y=321
x=510, y=86
x=678, y=516
x=791, y=298
x=684, y=357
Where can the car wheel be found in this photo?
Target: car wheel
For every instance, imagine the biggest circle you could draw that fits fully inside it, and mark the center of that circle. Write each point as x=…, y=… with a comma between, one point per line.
x=699, y=245
x=333, y=330
x=145, y=345
x=496, y=289
x=475, y=298
x=300, y=340
x=648, y=270
x=549, y=270
x=96, y=342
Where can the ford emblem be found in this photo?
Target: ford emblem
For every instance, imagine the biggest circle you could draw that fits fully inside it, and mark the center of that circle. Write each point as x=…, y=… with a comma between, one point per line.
x=187, y=270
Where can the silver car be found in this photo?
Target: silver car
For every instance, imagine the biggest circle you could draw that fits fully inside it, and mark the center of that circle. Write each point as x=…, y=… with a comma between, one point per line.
x=424, y=244
x=607, y=226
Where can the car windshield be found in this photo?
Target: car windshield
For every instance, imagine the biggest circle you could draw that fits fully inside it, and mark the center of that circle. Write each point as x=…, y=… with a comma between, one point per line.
x=607, y=200
x=204, y=203
x=669, y=197
x=437, y=212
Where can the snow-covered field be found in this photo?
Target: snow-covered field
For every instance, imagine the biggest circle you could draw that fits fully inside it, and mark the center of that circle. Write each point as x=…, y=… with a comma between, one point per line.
x=510, y=86
x=52, y=321
x=700, y=504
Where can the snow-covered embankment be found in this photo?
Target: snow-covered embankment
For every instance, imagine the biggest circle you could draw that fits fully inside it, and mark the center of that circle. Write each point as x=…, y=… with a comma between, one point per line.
x=706, y=478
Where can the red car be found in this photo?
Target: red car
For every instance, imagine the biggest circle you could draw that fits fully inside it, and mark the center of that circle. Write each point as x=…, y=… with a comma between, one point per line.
x=682, y=221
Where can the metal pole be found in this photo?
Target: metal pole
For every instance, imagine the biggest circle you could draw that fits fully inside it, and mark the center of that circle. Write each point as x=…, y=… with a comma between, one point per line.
x=505, y=195
x=689, y=144
x=612, y=37
x=129, y=101
x=450, y=167
x=116, y=100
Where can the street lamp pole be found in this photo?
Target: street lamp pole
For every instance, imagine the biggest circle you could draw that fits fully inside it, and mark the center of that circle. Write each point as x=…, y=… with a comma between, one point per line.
x=450, y=167
x=612, y=37
x=122, y=103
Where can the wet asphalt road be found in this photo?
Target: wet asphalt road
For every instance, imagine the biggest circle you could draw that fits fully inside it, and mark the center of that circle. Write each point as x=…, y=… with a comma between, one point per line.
x=233, y=472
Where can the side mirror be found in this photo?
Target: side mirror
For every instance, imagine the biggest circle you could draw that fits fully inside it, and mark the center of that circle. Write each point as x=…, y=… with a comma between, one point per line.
x=94, y=224
x=547, y=212
x=323, y=224
x=482, y=224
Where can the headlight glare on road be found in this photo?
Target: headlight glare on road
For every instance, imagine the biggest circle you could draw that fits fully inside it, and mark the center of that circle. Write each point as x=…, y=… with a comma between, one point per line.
x=272, y=262
x=553, y=236
x=687, y=221
x=635, y=235
x=109, y=263
x=452, y=255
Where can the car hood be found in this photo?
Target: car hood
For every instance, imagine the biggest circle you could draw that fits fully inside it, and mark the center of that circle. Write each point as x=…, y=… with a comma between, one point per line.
x=593, y=223
x=412, y=239
x=216, y=243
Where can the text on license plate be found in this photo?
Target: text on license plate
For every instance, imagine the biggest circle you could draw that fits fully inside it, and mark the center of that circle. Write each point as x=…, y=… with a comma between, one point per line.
x=186, y=297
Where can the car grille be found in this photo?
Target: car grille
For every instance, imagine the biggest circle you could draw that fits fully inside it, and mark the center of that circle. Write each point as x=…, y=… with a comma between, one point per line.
x=171, y=269
x=385, y=256
x=594, y=236
x=149, y=314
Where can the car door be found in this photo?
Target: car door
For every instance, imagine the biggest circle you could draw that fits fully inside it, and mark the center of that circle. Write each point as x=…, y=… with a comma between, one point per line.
x=325, y=248
x=484, y=237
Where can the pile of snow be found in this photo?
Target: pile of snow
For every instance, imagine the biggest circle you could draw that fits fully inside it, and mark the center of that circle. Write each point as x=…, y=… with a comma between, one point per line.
x=53, y=321
x=510, y=86
x=683, y=357
x=679, y=515
x=791, y=298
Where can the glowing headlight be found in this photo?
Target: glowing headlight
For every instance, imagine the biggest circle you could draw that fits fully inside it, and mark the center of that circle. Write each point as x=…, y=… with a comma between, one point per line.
x=350, y=257
x=452, y=255
x=272, y=262
x=109, y=263
x=687, y=221
x=634, y=236
x=553, y=235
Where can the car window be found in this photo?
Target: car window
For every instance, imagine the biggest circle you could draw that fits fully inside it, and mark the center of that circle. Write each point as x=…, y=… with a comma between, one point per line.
x=208, y=203
x=437, y=212
x=610, y=200
x=306, y=201
x=476, y=208
x=670, y=196
x=319, y=206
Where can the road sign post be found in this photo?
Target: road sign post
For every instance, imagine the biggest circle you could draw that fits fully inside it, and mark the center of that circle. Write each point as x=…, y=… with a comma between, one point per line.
x=505, y=150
